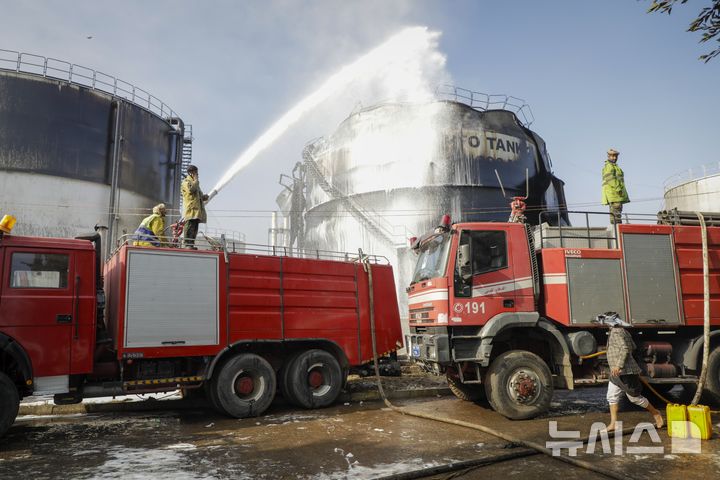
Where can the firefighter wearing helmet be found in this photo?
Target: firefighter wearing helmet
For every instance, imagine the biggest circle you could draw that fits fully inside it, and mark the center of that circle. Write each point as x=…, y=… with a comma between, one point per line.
x=193, y=206
x=614, y=193
x=152, y=228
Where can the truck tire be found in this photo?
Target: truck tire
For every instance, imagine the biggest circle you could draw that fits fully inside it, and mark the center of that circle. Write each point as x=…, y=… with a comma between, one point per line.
x=284, y=379
x=466, y=392
x=518, y=385
x=244, y=387
x=9, y=403
x=211, y=396
x=312, y=379
x=712, y=381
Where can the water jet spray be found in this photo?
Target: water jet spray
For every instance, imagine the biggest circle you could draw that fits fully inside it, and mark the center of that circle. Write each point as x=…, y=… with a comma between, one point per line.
x=400, y=50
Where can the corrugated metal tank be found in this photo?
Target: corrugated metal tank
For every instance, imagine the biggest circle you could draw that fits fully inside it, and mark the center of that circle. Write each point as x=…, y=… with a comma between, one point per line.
x=695, y=189
x=390, y=172
x=73, y=156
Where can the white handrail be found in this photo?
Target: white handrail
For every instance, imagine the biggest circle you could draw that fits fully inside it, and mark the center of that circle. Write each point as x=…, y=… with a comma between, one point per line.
x=47, y=67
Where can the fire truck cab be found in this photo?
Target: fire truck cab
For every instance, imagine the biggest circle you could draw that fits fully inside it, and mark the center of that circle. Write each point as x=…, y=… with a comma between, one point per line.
x=508, y=311
x=47, y=315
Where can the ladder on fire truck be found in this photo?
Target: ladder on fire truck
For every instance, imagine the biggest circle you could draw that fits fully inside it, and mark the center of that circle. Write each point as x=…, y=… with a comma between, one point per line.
x=372, y=221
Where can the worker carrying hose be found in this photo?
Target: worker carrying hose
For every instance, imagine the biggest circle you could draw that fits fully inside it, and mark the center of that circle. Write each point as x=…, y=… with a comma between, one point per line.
x=193, y=206
x=624, y=370
x=614, y=193
x=151, y=229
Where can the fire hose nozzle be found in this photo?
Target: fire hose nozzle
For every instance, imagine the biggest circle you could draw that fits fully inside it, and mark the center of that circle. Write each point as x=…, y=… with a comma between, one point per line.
x=211, y=195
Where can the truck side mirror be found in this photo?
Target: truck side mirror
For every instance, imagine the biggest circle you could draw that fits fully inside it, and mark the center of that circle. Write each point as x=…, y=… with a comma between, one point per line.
x=464, y=261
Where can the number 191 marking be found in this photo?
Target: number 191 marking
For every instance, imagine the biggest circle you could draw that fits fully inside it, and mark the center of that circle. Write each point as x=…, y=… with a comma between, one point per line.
x=474, y=307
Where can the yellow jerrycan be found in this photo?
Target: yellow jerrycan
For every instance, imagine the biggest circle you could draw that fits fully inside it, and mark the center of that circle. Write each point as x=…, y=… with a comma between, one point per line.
x=677, y=420
x=699, y=416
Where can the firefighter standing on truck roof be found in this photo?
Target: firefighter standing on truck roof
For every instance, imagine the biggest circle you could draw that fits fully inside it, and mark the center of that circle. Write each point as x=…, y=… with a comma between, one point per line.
x=624, y=370
x=613, y=187
x=193, y=206
x=151, y=229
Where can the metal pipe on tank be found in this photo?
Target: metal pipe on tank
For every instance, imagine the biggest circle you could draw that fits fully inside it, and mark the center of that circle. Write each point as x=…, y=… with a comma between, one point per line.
x=177, y=135
x=286, y=229
x=116, y=141
x=273, y=229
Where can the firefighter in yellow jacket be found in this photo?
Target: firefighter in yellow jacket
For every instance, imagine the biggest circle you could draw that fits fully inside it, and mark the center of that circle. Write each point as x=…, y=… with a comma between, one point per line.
x=193, y=206
x=151, y=229
x=614, y=193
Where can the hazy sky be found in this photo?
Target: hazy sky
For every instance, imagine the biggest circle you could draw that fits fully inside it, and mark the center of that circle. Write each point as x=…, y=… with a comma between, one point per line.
x=596, y=75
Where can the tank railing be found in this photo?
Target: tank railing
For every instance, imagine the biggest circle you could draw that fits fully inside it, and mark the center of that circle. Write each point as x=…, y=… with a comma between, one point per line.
x=230, y=235
x=587, y=234
x=693, y=173
x=78, y=75
x=282, y=251
x=222, y=244
x=484, y=101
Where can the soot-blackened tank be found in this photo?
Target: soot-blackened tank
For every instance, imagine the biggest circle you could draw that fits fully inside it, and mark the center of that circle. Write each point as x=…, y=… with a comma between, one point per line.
x=391, y=171
x=80, y=148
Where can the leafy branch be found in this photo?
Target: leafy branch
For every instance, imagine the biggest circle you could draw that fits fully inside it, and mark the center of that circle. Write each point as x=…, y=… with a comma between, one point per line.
x=708, y=22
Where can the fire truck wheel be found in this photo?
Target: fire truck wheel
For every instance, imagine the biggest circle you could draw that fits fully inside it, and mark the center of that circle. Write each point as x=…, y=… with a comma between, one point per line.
x=284, y=379
x=312, y=379
x=466, y=392
x=211, y=396
x=245, y=386
x=9, y=403
x=519, y=385
x=712, y=381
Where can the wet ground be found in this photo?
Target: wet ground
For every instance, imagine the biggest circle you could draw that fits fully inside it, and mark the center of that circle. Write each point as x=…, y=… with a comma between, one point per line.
x=353, y=440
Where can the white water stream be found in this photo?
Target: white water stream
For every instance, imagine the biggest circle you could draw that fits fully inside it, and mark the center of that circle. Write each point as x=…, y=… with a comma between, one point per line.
x=397, y=65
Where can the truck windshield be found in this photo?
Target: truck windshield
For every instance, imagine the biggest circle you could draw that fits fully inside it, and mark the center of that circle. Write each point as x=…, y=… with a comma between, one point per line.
x=433, y=258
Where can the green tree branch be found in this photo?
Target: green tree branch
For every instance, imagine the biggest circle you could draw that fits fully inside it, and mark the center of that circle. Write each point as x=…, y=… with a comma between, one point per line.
x=708, y=22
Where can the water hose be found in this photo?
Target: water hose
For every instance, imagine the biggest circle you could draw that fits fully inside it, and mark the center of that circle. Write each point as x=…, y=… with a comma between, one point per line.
x=706, y=311
x=490, y=431
x=592, y=355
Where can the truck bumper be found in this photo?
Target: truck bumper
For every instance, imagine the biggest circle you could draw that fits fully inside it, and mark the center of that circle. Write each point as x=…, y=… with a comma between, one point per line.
x=428, y=349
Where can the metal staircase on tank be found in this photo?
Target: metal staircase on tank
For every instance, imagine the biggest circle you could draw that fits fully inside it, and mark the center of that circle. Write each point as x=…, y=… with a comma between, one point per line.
x=373, y=221
x=187, y=149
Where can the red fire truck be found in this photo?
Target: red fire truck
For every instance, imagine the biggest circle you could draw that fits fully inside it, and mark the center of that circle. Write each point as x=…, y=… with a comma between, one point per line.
x=240, y=325
x=508, y=311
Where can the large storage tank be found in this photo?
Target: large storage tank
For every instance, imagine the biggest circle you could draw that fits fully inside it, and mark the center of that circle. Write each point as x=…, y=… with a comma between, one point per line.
x=389, y=172
x=80, y=148
x=695, y=189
